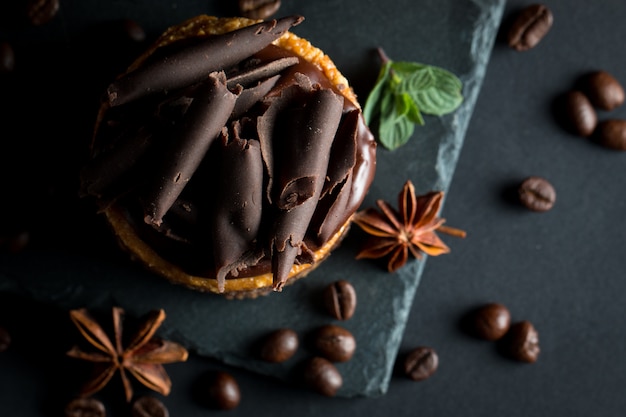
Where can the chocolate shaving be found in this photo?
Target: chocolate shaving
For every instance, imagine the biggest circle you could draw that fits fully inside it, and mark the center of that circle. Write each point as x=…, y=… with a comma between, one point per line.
x=330, y=213
x=293, y=75
x=204, y=119
x=238, y=204
x=190, y=65
x=336, y=206
x=111, y=164
x=250, y=96
x=341, y=195
x=298, y=182
x=261, y=72
x=310, y=131
x=172, y=110
x=343, y=152
x=180, y=222
x=269, y=128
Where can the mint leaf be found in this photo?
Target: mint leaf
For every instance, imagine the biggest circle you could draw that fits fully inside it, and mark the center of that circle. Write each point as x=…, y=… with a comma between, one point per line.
x=403, y=92
x=405, y=105
x=434, y=90
x=372, y=104
x=417, y=75
x=396, y=125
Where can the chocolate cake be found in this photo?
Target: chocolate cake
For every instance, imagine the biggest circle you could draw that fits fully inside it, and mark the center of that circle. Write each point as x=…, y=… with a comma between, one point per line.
x=231, y=156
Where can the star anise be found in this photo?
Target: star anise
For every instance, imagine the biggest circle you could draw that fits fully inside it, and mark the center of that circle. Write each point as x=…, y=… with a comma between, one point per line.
x=142, y=357
x=410, y=229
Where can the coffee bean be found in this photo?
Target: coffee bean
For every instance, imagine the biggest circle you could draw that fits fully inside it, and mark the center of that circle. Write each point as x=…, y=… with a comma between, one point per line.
x=85, y=407
x=334, y=343
x=41, y=11
x=611, y=133
x=5, y=339
x=133, y=30
x=322, y=376
x=421, y=363
x=147, y=406
x=580, y=116
x=529, y=27
x=537, y=194
x=490, y=321
x=522, y=342
x=223, y=391
x=7, y=58
x=340, y=300
x=258, y=9
x=279, y=345
x=603, y=90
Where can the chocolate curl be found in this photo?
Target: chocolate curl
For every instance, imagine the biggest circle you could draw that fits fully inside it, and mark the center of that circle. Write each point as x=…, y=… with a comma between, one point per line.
x=204, y=120
x=298, y=182
x=331, y=210
x=309, y=136
x=293, y=74
x=269, y=128
x=190, y=65
x=261, y=72
x=174, y=109
x=110, y=165
x=343, y=152
x=336, y=205
x=238, y=205
x=181, y=221
x=252, y=95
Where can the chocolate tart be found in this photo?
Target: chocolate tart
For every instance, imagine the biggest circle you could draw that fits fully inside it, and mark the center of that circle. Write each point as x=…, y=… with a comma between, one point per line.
x=230, y=157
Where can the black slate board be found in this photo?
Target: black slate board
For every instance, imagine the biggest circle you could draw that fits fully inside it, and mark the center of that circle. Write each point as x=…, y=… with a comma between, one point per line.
x=88, y=271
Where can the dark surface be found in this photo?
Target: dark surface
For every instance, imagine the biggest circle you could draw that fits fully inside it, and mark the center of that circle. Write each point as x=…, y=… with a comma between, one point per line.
x=89, y=273
x=562, y=270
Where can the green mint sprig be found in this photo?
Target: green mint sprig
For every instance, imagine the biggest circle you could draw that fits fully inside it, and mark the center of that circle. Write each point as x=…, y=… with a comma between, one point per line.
x=403, y=92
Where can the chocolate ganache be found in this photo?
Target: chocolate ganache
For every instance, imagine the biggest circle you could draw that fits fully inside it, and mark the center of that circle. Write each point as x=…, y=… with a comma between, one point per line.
x=229, y=155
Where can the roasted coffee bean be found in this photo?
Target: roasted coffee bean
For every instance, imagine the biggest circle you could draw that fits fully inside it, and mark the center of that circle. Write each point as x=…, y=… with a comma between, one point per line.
x=279, y=345
x=611, y=133
x=537, y=194
x=322, y=376
x=148, y=406
x=41, y=11
x=223, y=391
x=133, y=30
x=529, y=27
x=7, y=57
x=5, y=339
x=421, y=363
x=85, y=407
x=258, y=9
x=580, y=116
x=334, y=343
x=340, y=300
x=490, y=321
x=603, y=90
x=522, y=342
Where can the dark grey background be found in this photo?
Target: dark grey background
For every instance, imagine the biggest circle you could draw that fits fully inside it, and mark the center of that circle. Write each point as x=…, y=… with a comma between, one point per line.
x=563, y=270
